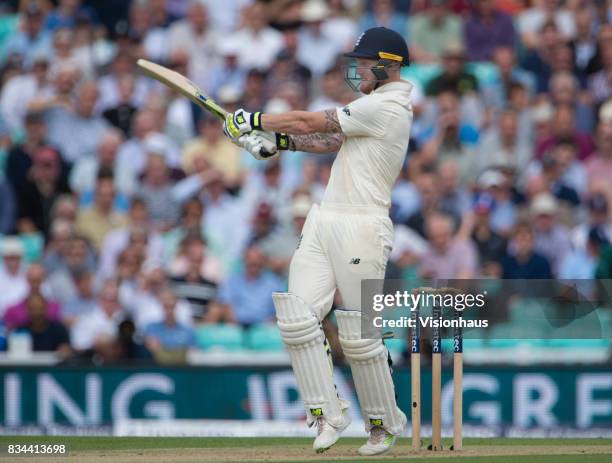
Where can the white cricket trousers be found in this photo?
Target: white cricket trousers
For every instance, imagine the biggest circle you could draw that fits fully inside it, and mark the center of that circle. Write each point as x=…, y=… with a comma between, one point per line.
x=340, y=245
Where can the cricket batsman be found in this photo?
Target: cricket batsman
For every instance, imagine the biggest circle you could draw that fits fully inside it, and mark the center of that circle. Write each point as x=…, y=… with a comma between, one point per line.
x=346, y=238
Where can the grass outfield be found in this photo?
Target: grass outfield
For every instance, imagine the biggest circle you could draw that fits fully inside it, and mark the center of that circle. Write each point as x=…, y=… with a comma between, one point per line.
x=180, y=450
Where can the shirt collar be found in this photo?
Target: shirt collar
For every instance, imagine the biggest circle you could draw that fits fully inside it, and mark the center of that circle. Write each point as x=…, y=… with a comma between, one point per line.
x=401, y=85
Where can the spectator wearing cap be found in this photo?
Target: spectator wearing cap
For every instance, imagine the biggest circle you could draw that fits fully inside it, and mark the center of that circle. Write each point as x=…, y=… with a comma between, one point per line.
x=522, y=261
x=316, y=50
x=502, y=145
x=383, y=13
x=245, y=295
x=98, y=328
x=213, y=149
x=196, y=279
x=8, y=206
x=35, y=197
x=454, y=76
x=168, y=336
x=13, y=283
x=552, y=239
x=18, y=91
x=432, y=30
x=77, y=133
x=499, y=185
x=84, y=173
x=48, y=334
x=598, y=211
x=599, y=165
x=101, y=218
x=563, y=130
x=17, y=315
x=487, y=28
x=32, y=39
x=450, y=255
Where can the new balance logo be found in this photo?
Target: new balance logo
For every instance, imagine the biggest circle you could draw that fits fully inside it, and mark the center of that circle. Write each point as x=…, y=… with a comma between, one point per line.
x=355, y=260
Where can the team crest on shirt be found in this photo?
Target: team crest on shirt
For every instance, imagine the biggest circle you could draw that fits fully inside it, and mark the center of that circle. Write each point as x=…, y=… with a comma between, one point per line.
x=346, y=110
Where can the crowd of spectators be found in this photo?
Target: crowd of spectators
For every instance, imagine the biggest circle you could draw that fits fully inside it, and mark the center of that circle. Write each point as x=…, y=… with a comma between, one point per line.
x=128, y=219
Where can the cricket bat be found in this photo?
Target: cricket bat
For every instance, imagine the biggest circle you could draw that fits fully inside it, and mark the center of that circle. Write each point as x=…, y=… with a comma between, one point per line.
x=181, y=84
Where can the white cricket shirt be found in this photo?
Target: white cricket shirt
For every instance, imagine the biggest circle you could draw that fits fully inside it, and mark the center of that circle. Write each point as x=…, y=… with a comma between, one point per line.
x=377, y=129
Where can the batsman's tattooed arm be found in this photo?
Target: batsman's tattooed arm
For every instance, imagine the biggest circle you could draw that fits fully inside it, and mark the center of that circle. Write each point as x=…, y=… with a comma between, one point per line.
x=302, y=122
x=316, y=142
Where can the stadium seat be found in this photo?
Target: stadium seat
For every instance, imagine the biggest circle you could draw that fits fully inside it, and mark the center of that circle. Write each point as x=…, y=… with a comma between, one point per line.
x=219, y=337
x=263, y=337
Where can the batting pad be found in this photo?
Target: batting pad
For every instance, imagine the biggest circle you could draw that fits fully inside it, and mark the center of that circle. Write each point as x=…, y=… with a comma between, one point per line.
x=369, y=360
x=305, y=341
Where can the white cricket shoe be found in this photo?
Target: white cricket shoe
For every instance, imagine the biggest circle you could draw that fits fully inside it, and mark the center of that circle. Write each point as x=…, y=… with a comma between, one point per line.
x=327, y=435
x=379, y=442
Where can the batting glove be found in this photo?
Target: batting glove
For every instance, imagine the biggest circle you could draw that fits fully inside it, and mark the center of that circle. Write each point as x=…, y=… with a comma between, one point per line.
x=241, y=122
x=263, y=145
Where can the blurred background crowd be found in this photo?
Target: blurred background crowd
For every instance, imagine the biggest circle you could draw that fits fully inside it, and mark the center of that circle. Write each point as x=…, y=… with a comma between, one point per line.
x=130, y=225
